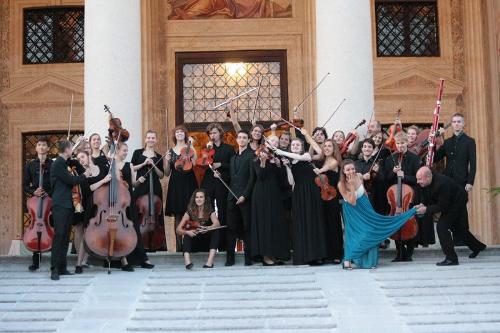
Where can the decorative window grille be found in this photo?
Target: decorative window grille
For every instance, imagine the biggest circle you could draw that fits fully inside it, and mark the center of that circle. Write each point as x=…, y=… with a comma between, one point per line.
x=407, y=28
x=207, y=81
x=53, y=35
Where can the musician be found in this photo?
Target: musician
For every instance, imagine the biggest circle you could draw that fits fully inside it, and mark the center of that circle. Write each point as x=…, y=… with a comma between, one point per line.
x=256, y=132
x=142, y=161
x=373, y=127
x=181, y=184
x=98, y=177
x=127, y=174
x=338, y=137
x=329, y=166
x=199, y=210
x=412, y=133
x=99, y=155
x=403, y=164
x=307, y=213
x=239, y=210
x=369, y=169
x=31, y=182
x=62, y=207
x=214, y=188
x=460, y=153
x=285, y=139
x=444, y=196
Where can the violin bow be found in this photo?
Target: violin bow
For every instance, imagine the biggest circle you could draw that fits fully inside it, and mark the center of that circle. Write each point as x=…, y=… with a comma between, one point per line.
x=223, y=182
x=283, y=119
x=368, y=124
x=295, y=109
x=256, y=101
x=335, y=111
x=376, y=158
x=229, y=100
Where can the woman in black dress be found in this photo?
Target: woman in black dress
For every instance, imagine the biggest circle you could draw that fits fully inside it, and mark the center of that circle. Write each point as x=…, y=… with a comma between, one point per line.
x=181, y=183
x=142, y=161
x=380, y=200
x=138, y=255
x=199, y=210
x=98, y=155
x=99, y=177
x=334, y=237
x=269, y=231
x=307, y=212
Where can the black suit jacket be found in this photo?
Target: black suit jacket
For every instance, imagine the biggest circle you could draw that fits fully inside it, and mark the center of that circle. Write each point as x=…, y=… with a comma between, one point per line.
x=240, y=172
x=32, y=174
x=460, y=153
x=443, y=196
x=62, y=182
x=409, y=164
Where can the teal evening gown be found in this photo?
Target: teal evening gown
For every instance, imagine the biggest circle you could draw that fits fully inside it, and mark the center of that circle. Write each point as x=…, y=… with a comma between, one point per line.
x=365, y=229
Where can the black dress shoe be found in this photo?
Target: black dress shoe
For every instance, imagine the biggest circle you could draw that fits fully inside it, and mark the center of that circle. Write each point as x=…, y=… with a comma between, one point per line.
x=147, y=265
x=397, y=259
x=65, y=272
x=407, y=259
x=128, y=268
x=54, y=275
x=475, y=253
x=189, y=266
x=248, y=262
x=33, y=268
x=78, y=269
x=447, y=262
x=229, y=261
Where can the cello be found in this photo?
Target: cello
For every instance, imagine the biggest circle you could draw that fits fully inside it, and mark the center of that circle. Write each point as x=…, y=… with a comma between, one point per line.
x=150, y=218
x=110, y=233
x=38, y=236
x=400, y=196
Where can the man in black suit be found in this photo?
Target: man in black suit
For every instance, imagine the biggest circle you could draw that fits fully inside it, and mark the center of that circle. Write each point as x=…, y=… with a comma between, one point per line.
x=444, y=196
x=238, y=210
x=402, y=164
x=460, y=153
x=62, y=183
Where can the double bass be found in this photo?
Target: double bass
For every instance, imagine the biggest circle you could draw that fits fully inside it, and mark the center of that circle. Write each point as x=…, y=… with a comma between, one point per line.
x=110, y=234
x=38, y=236
x=400, y=196
x=151, y=218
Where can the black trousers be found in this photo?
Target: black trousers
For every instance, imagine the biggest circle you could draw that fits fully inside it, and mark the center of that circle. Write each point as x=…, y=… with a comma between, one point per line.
x=456, y=222
x=238, y=225
x=218, y=194
x=63, y=220
x=211, y=238
x=404, y=249
x=138, y=255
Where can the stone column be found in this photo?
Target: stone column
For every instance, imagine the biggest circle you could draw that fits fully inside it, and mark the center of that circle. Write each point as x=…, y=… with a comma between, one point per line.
x=344, y=48
x=478, y=117
x=113, y=66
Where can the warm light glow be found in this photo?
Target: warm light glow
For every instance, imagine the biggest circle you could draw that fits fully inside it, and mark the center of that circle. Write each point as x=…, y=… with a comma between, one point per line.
x=233, y=68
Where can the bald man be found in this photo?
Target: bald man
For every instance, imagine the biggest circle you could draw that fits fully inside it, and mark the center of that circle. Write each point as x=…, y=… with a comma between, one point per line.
x=440, y=194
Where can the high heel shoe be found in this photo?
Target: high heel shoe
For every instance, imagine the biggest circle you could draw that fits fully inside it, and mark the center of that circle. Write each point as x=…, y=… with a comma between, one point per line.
x=189, y=266
x=346, y=266
x=207, y=266
x=78, y=269
x=267, y=264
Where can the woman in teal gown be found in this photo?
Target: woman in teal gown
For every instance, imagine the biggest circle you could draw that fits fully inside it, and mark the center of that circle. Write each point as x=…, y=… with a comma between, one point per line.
x=364, y=228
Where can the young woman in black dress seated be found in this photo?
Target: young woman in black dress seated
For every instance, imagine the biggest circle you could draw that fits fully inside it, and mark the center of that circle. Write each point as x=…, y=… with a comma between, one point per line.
x=199, y=210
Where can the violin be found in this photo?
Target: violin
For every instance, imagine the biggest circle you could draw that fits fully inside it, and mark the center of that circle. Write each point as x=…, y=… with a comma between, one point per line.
x=422, y=141
x=110, y=233
x=185, y=160
x=328, y=192
x=197, y=227
x=76, y=192
x=150, y=218
x=116, y=132
x=400, y=196
x=393, y=130
x=39, y=234
x=350, y=138
x=206, y=157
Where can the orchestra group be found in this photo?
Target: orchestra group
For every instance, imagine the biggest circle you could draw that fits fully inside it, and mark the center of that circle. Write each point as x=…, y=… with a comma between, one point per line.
x=286, y=193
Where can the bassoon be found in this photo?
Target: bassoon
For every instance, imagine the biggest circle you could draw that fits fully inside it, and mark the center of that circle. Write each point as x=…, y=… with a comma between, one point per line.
x=435, y=124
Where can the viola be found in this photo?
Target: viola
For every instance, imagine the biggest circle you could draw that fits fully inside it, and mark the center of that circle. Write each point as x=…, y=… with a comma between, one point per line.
x=328, y=192
x=110, y=233
x=206, y=157
x=150, y=218
x=393, y=130
x=185, y=160
x=350, y=138
x=400, y=196
x=116, y=132
x=39, y=234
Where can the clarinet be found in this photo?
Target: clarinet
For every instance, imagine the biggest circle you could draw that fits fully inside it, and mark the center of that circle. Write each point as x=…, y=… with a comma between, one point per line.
x=435, y=124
